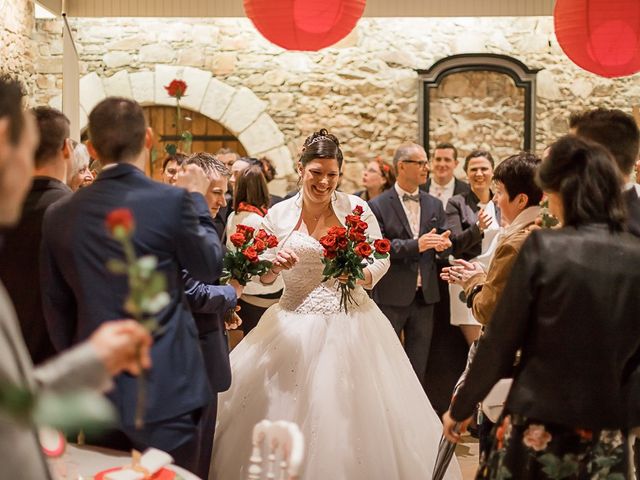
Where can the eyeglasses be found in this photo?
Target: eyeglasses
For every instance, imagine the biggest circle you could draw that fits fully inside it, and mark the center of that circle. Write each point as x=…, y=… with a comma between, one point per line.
x=420, y=163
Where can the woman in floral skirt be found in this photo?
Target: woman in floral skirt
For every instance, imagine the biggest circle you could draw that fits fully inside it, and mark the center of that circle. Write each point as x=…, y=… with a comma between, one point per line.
x=571, y=308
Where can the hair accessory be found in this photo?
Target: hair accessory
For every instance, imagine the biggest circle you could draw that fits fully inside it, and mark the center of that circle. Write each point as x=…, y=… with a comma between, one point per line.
x=317, y=139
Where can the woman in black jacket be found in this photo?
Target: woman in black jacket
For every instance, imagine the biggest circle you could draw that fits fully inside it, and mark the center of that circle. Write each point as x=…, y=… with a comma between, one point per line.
x=571, y=308
x=474, y=221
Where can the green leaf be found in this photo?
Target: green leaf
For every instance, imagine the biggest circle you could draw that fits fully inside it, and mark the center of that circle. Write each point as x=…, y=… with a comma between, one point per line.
x=82, y=409
x=117, y=266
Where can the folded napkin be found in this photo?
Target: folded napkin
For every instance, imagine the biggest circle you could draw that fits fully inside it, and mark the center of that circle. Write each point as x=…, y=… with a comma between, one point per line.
x=151, y=461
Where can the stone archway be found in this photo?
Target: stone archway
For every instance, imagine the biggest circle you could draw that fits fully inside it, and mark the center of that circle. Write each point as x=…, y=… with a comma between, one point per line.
x=237, y=109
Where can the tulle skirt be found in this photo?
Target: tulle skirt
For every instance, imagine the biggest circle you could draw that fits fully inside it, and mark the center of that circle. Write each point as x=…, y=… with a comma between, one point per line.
x=346, y=381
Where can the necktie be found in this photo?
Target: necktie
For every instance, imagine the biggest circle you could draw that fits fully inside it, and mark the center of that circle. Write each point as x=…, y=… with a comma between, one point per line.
x=413, y=198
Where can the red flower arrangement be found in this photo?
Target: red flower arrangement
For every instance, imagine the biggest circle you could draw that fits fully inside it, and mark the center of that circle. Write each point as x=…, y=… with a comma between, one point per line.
x=245, y=262
x=347, y=250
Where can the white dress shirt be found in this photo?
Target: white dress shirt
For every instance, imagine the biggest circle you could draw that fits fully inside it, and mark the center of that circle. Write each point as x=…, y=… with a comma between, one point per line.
x=442, y=192
x=412, y=211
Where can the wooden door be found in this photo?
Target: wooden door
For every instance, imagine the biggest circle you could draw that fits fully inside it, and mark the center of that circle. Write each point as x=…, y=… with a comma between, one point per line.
x=208, y=135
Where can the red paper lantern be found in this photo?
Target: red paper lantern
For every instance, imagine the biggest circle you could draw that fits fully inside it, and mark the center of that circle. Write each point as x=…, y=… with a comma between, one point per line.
x=601, y=36
x=304, y=24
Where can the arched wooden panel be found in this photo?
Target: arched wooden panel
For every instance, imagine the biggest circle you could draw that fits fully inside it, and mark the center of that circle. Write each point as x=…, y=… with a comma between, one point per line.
x=208, y=135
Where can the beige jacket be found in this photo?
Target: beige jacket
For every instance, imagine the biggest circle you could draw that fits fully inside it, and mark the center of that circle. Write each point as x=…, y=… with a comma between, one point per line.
x=77, y=368
x=494, y=281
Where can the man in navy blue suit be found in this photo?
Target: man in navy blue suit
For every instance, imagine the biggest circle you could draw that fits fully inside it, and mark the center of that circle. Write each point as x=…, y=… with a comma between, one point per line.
x=414, y=221
x=210, y=305
x=79, y=293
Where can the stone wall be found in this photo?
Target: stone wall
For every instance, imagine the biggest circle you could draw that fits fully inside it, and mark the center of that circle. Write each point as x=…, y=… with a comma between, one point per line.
x=16, y=47
x=365, y=89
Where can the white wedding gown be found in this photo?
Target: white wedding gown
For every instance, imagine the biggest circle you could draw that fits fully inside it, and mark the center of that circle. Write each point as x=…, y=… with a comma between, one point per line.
x=342, y=377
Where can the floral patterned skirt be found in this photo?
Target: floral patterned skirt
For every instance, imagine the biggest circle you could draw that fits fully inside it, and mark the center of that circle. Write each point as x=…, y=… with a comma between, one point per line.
x=528, y=449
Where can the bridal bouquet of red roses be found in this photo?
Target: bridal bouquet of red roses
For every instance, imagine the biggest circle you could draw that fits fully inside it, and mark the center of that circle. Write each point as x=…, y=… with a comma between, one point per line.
x=245, y=262
x=347, y=251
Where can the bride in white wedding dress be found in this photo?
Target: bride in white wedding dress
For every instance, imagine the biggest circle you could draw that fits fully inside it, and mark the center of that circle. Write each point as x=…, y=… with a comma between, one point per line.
x=344, y=378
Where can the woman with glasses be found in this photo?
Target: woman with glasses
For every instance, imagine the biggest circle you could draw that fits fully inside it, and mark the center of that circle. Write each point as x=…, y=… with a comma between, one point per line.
x=474, y=221
x=376, y=178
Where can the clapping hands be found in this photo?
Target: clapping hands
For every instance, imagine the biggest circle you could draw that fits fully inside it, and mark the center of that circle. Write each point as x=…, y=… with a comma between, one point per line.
x=461, y=271
x=484, y=220
x=439, y=242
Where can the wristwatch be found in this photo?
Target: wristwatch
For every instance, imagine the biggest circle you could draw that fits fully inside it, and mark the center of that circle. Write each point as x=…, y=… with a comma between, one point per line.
x=474, y=291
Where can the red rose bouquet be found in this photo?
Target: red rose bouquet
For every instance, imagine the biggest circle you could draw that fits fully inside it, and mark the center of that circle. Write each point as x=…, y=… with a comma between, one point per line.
x=245, y=262
x=347, y=250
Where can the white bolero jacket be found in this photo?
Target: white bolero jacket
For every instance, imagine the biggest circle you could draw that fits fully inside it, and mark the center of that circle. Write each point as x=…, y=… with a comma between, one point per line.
x=282, y=218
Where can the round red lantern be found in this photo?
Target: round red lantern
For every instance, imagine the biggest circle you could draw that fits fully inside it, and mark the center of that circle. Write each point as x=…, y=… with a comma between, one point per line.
x=601, y=36
x=304, y=24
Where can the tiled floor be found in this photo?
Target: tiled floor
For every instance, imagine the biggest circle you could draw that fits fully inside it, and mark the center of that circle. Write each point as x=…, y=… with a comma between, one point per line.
x=467, y=453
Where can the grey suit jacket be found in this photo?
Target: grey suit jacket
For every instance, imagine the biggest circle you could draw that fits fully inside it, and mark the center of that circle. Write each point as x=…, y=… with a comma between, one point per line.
x=77, y=368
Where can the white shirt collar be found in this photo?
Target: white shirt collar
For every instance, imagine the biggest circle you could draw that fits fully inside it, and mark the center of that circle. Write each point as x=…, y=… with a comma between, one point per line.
x=449, y=186
x=402, y=192
x=630, y=185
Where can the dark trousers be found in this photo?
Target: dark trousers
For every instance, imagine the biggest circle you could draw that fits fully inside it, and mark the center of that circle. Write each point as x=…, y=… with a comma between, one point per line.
x=177, y=436
x=251, y=314
x=416, y=321
x=206, y=432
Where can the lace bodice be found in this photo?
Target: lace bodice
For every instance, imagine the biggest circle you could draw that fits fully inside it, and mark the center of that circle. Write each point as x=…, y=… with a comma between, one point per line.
x=304, y=291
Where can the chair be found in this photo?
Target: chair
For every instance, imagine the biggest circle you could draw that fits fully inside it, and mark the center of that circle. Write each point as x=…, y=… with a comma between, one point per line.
x=278, y=450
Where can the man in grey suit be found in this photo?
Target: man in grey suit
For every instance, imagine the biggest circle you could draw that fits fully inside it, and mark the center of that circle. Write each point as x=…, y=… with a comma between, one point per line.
x=414, y=221
x=111, y=349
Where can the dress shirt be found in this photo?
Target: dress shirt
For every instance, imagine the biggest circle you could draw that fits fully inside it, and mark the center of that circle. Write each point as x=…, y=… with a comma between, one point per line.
x=412, y=211
x=632, y=185
x=411, y=208
x=442, y=193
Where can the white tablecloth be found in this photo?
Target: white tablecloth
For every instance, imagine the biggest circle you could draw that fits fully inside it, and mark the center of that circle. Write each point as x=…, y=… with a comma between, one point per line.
x=84, y=462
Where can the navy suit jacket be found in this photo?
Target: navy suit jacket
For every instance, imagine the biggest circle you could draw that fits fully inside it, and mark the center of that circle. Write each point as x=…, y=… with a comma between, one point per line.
x=398, y=286
x=20, y=265
x=79, y=293
x=209, y=304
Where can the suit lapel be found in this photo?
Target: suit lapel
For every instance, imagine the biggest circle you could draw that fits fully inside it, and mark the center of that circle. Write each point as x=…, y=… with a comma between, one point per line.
x=396, y=205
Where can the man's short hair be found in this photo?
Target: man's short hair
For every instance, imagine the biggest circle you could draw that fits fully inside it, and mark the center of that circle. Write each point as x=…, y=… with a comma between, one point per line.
x=209, y=163
x=518, y=175
x=403, y=152
x=11, y=93
x=179, y=158
x=615, y=130
x=54, y=128
x=117, y=129
x=444, y=146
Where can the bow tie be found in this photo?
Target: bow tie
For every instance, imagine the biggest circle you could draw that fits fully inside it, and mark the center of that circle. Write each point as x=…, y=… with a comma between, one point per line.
x=413, y=198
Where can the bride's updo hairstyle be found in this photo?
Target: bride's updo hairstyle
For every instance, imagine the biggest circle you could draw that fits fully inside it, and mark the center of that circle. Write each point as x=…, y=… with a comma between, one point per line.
x=587, y=179
x=321, y=144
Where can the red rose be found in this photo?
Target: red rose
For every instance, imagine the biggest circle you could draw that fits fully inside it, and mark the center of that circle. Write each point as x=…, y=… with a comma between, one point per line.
x=246, y=231
x=363, y=250
x=337, y=231
x=250, y=254
x=361, y=226
x=342, y=243
x=358, y=210
x=272, y=241
x=352, y=220
x=357, y=236
x=259, y=245
x=176, y=88
x=120, y=219
x=262, y=235
x=238, y=239
x=382, y=246
x=329, y=254
x=328, y=242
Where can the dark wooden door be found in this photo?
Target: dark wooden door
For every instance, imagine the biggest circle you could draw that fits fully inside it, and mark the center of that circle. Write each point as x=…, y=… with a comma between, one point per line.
x=208, y=135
